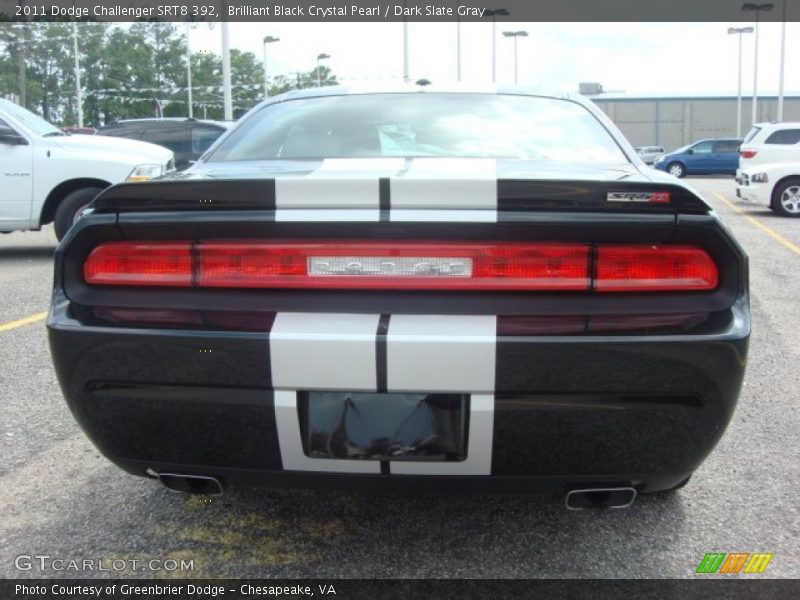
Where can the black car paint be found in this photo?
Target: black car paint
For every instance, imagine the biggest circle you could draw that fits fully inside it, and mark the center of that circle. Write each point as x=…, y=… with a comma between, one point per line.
x=640, y=409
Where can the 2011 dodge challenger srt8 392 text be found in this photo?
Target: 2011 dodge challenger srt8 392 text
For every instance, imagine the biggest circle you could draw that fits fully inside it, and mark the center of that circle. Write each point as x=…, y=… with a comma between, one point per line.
x=415, y=288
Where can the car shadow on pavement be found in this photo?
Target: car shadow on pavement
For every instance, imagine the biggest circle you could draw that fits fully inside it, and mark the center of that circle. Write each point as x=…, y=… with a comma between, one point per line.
x=334, y=534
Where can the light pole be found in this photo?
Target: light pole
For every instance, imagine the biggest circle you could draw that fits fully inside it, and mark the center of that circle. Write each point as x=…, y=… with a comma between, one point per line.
x=405, y=47
x=783, y=57
x=189, y=69
x=227, y=98
x=268, y=39
x=757, y=8
x=320, y=56
x=498, y=12
x=458, y=43
x=739, y=31
x=515, y=35
x=78, y=90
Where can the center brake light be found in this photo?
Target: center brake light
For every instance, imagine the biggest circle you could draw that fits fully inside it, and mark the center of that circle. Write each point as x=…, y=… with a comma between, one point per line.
x=402, y=265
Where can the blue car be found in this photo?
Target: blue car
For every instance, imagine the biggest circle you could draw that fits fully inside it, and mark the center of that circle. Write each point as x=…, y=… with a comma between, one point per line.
x=702, y=158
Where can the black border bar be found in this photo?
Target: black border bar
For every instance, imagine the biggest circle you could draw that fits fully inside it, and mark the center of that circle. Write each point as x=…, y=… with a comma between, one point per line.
x=392, y=10
x=698, y=587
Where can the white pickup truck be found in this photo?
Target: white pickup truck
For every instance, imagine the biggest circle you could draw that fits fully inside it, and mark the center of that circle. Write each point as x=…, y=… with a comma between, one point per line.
x=48, y=176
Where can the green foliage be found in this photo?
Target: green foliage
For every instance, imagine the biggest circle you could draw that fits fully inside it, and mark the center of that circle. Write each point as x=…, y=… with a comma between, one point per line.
x=124, y=69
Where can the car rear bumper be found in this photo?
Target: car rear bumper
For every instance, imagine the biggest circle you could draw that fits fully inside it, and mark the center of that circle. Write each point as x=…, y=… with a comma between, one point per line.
x=546, y=412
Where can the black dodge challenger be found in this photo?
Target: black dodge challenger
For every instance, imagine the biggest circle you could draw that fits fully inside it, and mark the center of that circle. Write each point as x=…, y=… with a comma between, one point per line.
x=406, y=288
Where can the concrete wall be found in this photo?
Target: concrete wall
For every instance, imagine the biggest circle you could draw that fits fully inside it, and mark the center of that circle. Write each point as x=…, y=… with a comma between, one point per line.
x=675, y=122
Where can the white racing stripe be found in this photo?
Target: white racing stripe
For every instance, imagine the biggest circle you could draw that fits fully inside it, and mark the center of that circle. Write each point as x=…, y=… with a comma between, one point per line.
x=323, y=352
x=424, y=353
x=442, y=183
x=441, y=353
x=340, y=189
x=325, y=192
x=447, y=353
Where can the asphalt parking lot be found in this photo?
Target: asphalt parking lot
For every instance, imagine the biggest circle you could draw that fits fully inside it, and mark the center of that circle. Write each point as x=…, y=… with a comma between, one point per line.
x=60, y=498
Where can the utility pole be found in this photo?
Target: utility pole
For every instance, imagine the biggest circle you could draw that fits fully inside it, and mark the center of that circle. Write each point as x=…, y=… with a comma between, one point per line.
x=21, y=58
x=405, y=44
x=739, y=31
x=189, y=72
x=458, y=43
x=757, y=8
x=226, y=73
x=78, y=90
x=783, y=60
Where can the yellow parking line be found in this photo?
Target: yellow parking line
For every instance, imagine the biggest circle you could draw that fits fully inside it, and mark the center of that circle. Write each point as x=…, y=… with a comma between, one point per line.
x=24, y=321
x=768, y=230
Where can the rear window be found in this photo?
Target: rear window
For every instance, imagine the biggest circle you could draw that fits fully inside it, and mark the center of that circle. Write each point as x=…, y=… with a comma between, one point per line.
x=784, y=136
x=429, y=124
x=751, y=134
x=726, y=146
x=203, y=136
x=170, y=135
x=125, y=130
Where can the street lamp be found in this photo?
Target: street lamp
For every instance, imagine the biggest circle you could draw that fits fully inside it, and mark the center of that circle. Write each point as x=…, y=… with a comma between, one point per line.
x=757, y=8
x=783, y=60
x=498, y=12
x=739, y=31
x=320, y=56
x=458, y=43
x=268, y=39
x=78, y=90
x=515, y=35
x=189, y=68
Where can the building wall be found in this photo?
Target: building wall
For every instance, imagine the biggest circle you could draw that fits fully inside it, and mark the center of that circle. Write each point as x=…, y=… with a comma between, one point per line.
x=675, y=122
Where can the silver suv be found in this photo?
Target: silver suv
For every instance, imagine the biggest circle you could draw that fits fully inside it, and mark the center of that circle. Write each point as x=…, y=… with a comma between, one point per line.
x=649, y=154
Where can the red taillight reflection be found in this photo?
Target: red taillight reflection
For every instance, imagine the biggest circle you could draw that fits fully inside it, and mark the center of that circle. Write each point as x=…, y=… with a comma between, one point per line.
x=417, y=265
x=748, y=153
x=653, y=269
x=140, y=263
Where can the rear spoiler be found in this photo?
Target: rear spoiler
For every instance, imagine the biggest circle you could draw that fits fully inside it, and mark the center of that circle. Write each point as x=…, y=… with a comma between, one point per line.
x=511, y=195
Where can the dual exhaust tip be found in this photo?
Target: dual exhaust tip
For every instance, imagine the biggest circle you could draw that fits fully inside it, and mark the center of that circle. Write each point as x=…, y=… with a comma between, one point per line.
x=589, y=498
x=191, y=484
x=578, y=499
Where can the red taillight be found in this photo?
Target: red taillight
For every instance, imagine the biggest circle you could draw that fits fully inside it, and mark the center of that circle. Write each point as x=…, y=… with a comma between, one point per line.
x=387, y=265
x=653, y=269
x=748, y=153
x=401, y=265
x=326, y=264
x=140, y=263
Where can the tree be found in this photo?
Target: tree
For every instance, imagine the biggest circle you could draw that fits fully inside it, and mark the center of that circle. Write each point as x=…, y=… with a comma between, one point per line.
x=124, y=69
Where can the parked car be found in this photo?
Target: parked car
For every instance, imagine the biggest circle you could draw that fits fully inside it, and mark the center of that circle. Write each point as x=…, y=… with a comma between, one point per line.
x=79, y=130
x=776, y=185
x=415, y=288
x=768, y=143
x=649, y=154
x=187, y=138
x=702, y=158
x=49, y=176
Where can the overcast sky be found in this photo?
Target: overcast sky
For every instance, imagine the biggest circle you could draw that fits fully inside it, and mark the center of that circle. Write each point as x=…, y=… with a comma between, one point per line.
x=638, y=58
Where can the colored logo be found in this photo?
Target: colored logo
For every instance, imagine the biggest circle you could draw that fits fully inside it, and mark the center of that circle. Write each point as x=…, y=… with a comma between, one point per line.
x=734, y=562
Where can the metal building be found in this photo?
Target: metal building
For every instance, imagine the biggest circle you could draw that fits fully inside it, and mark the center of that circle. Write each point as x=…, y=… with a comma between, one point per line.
x=674, y=121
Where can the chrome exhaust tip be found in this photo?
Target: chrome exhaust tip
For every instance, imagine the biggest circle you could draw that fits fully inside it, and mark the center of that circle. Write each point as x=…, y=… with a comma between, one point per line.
x=191, y=484
x=582, y=499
